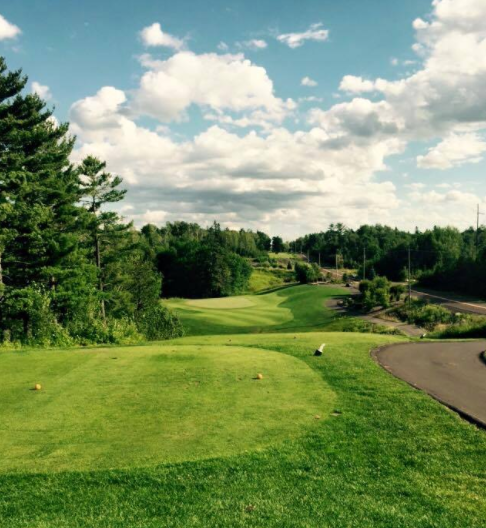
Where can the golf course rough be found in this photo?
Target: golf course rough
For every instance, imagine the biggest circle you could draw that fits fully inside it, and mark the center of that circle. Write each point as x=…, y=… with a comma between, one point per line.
x=143, y=406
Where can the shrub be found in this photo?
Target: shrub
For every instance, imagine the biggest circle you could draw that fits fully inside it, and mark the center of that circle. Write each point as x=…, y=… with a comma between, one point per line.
x=375, y=293
x=396, y=291
x=27, y=318
x=471, y=328
x=421, y=313
x=305, y=273
x=159, y=323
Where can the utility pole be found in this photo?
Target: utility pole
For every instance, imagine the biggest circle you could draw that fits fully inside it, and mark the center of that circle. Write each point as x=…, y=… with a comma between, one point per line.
x=319, y=259
x=477, y=231
x=337, y=274
x=409, y=280
x=364, y=263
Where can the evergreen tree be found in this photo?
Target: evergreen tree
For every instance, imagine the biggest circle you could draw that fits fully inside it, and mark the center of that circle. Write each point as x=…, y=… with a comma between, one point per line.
x=98, y=188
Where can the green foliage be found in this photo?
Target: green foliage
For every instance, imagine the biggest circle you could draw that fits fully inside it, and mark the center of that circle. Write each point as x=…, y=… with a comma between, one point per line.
x=208, y=268
x=158, y=322
x=355, y=324
x=442, y=257
x=278, y=245
x=70, y=271
x=26, y=317
x=396, y=291
x=375, y=293
x=423, y=314
x=306, y=273
x=469, y=327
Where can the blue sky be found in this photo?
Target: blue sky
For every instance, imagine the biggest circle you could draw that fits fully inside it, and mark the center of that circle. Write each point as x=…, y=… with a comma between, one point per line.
x=204, y=124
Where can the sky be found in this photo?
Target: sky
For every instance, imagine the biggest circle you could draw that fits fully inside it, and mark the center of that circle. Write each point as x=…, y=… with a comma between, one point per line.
x=279, y=116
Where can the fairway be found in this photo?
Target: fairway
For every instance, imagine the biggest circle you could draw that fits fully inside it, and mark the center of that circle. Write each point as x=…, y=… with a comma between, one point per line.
x=139, y=406
x=294, y=308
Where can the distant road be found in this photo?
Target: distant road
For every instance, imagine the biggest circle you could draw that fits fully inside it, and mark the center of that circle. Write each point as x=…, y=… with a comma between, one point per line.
x=452, y=373
x=451, y=302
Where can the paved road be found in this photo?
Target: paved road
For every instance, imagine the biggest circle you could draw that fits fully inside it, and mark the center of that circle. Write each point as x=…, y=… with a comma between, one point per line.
x=451, y=302
x=453, y=373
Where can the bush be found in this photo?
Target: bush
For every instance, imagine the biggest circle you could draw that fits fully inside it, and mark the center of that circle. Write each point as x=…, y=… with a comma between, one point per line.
x=397, y=291
x=159, y=323
x=305, y=273
x=375, y=293
x=471, y=328
x=421, y=313
x=121, y=331
x=27, y=318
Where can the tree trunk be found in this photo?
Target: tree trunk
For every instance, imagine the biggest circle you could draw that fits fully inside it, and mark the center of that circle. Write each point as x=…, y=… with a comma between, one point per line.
x=98, y=265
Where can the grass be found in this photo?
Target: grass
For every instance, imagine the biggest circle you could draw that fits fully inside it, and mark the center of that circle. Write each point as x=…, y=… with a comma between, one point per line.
x=380, y=454
x=154, y=404
x=284, y=255
x=265, y=279
x=288, y=309
x=387, y=455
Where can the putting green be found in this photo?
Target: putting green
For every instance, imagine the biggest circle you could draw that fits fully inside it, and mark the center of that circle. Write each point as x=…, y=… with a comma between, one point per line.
x=296, y=308
x=139, y=406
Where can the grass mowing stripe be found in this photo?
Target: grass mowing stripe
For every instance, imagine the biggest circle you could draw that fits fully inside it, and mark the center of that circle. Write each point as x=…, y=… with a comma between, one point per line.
x=289, y=309
x=130, y=407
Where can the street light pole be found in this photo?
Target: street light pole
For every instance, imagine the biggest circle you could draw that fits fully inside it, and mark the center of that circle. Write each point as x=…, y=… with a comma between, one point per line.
x=477, y=231
x=364, y=263
x=409, y=280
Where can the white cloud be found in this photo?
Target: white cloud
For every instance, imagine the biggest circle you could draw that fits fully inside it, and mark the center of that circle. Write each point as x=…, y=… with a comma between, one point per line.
x=218, y=82
x=295, y=40
x=253, y=44
x=7, y=29
x=99, y=115
x=41, y=90
x=447, y=93
x=252, y=180
x=352, y=84
x=154, y=36
x=454, y=150
x=307, y=81
x=296, y=181
x=222, y=46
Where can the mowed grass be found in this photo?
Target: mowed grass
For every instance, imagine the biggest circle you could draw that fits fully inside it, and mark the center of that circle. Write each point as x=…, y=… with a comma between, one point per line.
x=385, y=455
x=139, y=406
x=296, y=308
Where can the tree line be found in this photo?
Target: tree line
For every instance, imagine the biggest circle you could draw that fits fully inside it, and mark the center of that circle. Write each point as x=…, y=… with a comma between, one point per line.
x=72, y=270
x=441, y=257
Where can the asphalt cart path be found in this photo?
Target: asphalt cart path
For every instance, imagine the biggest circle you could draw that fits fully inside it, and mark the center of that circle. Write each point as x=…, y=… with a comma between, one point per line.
x=453, y=373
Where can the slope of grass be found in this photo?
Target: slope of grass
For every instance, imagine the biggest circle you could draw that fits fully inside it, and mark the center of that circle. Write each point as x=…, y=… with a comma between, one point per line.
x=289, y=309
x=387, y=456
x=126, y=407
x=265, y=279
